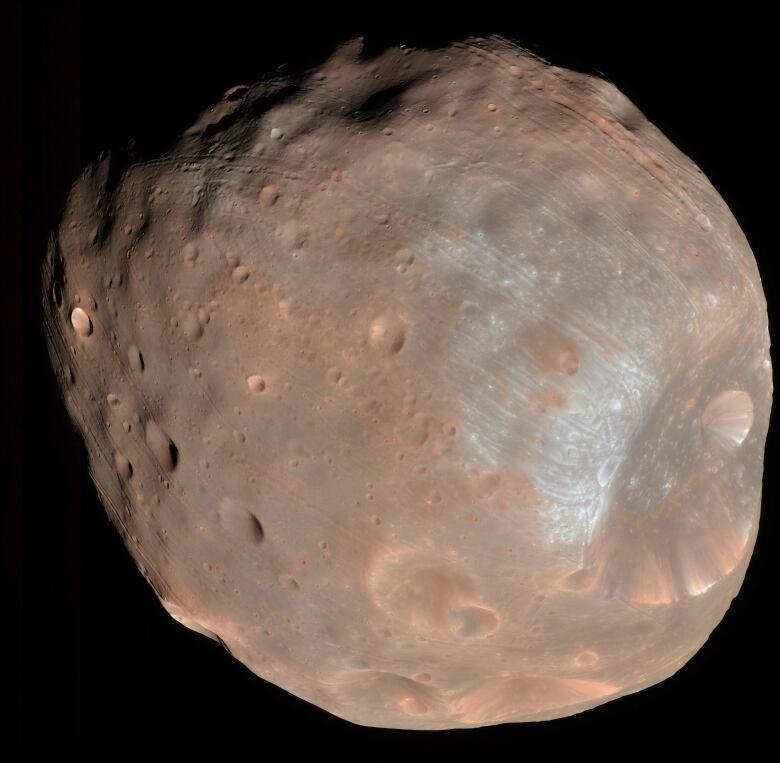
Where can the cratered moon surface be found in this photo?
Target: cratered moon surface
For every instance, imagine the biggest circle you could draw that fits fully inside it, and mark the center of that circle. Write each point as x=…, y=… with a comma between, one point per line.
x=433, y=384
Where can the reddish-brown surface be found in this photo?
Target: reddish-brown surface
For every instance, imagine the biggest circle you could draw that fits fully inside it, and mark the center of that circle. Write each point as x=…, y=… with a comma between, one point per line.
x=437, y=391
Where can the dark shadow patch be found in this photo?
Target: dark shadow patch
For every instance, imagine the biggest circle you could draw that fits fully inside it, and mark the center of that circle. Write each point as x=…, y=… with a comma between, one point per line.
x=224, y=645
x=174, y=455
x=257, y=529
x=379, y=104
x=256, y=105
x=57, y=269
x=117, y=161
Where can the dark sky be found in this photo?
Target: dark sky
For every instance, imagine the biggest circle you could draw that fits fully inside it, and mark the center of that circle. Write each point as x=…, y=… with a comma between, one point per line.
x=96, y=665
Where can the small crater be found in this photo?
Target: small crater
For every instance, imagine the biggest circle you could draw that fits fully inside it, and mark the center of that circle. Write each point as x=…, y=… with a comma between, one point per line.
x=81, y=322
x=586, y=659
x=288, y=582
x=387, y=334
x=413, y=706
x=474, y=622
x=135, y=359
x=255, y=383
x=487, y=485
x=433, y=498
x=414, y=431
x=161, y=446
x=192, y=327
x=123, y=467
x=269, y=195
x=237, y=519
x=240, y=274
x=554, y=352
x=607, y=471
x=190, y=254
x=403, y=259
x=449, y=430
x=567, y=362
x=256, y=528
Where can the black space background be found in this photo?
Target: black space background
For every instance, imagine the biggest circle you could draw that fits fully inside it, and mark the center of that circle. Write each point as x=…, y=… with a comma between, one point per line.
x=96, y=666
